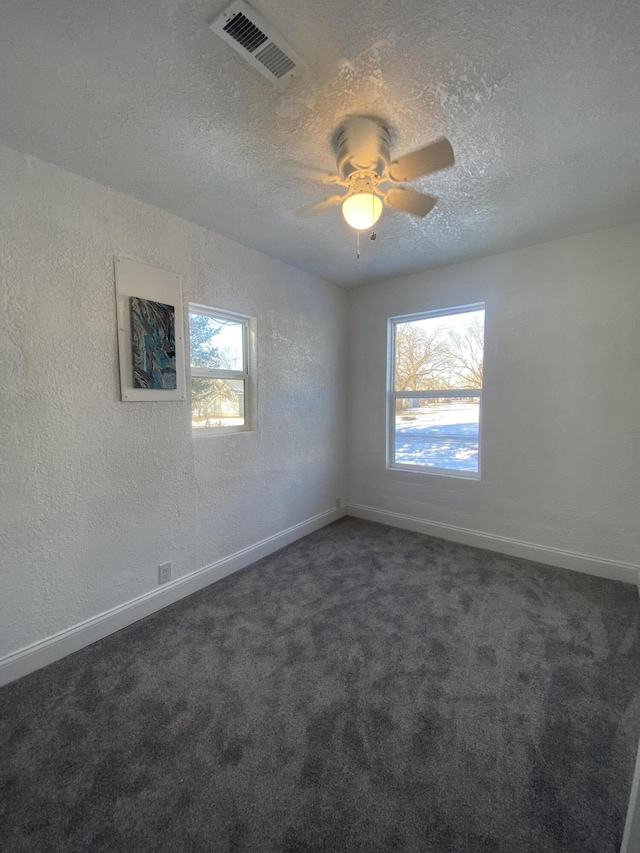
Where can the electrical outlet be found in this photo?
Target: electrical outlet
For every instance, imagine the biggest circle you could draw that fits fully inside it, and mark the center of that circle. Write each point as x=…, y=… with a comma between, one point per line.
x=164, y=573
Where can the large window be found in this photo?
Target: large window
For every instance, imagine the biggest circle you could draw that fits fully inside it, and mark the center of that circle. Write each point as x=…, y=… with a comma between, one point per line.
x=222, y=370
x=435, y=391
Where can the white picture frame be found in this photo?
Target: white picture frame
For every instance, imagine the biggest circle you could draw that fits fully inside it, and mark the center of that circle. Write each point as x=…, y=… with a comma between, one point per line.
x=142, y=281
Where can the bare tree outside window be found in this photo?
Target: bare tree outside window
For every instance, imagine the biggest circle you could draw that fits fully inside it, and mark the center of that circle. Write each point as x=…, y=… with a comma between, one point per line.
x=466, y=352
x=421, y=358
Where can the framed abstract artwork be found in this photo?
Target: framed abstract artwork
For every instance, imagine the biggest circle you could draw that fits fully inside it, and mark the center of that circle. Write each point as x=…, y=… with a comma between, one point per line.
x=150, y=332
x=153, y=343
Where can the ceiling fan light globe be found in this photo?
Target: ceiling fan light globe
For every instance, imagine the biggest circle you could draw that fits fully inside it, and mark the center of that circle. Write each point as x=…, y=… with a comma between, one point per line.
x=362, y=210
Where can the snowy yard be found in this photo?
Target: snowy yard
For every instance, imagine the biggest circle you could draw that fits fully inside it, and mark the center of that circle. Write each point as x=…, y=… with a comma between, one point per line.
x=439, y=436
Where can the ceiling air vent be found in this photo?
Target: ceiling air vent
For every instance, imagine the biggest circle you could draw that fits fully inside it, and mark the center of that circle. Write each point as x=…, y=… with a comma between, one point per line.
x=241, y=27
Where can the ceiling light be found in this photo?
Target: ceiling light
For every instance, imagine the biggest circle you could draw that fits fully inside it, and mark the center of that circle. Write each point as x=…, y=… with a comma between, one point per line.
x=362, y=210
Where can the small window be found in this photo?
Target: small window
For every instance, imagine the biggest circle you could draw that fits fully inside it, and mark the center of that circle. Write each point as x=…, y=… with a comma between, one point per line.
x=222, y=370
x=435, y=391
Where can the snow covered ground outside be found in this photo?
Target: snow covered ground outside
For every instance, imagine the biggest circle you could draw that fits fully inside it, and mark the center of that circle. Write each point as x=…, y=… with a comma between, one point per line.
x=439, y=436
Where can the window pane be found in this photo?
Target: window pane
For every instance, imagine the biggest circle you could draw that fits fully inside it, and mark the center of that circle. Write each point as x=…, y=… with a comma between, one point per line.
x=440, y=352
x=216, y=343
x=438, y=433
x=217, y=402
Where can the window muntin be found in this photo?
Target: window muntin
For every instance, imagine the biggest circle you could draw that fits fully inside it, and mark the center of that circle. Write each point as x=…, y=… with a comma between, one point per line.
x=220, y=354
x=435, y=391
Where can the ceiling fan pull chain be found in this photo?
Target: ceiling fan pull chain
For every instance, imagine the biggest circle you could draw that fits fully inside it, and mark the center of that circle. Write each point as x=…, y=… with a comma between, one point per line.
x=373, y=218
x=357, y=245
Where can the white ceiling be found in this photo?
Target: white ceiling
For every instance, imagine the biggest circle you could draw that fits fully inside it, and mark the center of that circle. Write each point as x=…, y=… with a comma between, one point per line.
x=540, y=100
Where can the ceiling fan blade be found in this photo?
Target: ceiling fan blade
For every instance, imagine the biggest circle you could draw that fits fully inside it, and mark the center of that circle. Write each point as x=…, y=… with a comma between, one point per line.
x=410, y=201
x=424, y=161
x=321, y=206
x=301, y=170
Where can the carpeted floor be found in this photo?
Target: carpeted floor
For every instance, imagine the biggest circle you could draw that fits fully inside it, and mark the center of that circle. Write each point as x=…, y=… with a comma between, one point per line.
x=365, y=689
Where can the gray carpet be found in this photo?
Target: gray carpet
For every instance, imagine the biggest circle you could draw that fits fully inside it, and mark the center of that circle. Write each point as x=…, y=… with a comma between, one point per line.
x=364, y=689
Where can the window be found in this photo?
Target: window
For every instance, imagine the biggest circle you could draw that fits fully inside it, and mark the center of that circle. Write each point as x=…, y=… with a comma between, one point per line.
x=435, y=391
x=222, y=349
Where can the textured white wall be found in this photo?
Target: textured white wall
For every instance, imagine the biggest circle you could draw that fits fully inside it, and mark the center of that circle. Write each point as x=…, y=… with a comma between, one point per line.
x=95, y=492
x=561, y=419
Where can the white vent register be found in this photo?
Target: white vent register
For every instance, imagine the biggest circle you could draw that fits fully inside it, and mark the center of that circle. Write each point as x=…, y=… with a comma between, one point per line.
x=247, y=33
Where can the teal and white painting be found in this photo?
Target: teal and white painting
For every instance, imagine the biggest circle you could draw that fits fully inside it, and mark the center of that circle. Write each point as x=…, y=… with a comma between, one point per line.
x=153, y=344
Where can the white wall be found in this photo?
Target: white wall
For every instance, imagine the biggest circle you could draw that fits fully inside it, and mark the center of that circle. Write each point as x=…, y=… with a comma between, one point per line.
x=561, y=419
x=631, y=837
x=95, y=492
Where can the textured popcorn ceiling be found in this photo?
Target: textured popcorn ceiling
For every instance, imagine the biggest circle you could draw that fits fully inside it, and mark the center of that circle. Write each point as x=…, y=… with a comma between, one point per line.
x=541, y=101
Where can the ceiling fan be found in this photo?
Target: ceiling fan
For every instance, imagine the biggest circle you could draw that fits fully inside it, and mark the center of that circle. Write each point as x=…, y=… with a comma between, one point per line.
x=372, y=179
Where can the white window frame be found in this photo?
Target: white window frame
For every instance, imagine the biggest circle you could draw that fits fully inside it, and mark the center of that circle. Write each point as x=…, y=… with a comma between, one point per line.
x=393, y=395
x=248, y=375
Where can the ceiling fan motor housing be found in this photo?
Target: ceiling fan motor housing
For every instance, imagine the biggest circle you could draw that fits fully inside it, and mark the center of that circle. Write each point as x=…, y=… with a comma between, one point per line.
x=362, y=145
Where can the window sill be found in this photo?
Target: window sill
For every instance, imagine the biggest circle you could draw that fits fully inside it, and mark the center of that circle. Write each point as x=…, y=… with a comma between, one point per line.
x=207, y=432
x=440, y=472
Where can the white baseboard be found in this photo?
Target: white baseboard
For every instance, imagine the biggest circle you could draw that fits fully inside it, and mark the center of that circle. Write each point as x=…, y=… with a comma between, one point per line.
x=77, y=637
x=597, y=566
